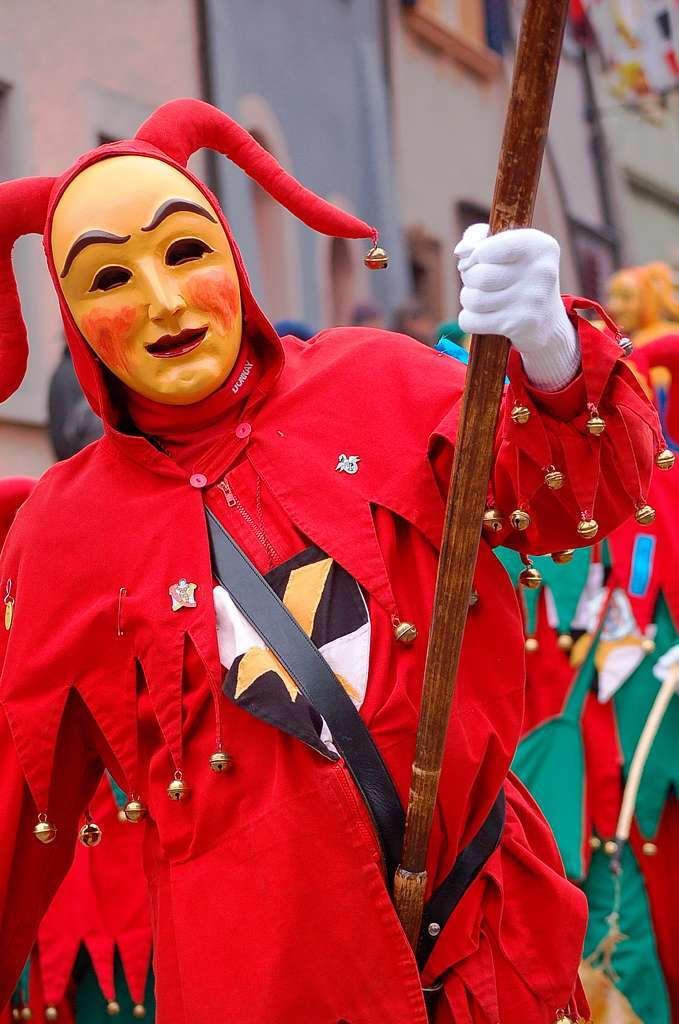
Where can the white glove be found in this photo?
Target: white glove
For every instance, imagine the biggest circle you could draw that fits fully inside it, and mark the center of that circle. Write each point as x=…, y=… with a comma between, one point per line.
x=511, y=287
x=669, y=660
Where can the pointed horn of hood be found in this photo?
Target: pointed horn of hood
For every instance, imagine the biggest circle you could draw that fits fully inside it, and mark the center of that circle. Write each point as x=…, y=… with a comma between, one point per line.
x=181, y=127
x=23, y=210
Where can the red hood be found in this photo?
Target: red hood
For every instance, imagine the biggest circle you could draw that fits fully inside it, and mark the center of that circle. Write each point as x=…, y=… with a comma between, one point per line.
x=90, y=372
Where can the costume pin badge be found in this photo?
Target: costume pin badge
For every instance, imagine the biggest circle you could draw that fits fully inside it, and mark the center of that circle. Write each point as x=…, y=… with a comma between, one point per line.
x=183, y=595
x=9, y=605
x=348, y=464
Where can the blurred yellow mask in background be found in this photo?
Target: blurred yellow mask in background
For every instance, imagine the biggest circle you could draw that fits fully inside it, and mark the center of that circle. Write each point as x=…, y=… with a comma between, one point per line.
x=147, y=272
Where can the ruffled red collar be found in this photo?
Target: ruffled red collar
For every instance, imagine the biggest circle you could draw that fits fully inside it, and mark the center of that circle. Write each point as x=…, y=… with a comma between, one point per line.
x=182, y=428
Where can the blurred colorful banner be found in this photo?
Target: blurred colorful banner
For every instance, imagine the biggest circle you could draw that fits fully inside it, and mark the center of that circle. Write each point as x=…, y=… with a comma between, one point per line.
x=639, y=42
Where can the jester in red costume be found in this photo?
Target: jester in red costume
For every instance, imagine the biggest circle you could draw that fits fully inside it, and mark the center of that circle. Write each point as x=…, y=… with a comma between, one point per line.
x=328, y=463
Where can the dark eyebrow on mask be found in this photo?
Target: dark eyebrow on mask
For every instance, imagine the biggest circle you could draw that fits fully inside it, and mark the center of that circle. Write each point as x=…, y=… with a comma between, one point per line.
x=177, y=206
x=91, y=238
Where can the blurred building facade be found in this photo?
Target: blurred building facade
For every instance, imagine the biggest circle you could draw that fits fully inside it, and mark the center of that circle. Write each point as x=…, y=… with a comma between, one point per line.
x=393, y=109
x=308, y=79
x=72, y=75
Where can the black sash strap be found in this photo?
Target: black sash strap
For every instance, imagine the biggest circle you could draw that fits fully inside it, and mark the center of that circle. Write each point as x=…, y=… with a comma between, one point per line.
x=283, y=635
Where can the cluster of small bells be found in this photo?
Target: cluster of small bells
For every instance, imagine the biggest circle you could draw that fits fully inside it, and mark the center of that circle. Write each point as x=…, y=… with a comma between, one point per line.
x=611, y=846
x=52, y=1013
x=90, y=835
x=588, y=528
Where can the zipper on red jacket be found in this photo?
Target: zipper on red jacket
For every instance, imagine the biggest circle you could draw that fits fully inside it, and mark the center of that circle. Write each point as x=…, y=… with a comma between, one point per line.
x=233, y=502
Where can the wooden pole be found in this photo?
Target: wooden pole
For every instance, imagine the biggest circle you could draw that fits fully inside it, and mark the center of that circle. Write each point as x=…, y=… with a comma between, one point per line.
x=535, y=69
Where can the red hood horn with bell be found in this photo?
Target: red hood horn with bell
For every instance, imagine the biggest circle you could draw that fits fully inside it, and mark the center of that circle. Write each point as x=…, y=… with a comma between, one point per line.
x=172, y=134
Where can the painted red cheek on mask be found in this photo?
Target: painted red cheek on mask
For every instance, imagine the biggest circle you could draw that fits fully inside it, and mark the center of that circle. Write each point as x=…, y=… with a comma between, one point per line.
x=108, y=332
x=216, y=292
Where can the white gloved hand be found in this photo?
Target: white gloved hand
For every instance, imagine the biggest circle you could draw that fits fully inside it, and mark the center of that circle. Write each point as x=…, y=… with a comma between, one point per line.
x=511, y=287
x=663, y=665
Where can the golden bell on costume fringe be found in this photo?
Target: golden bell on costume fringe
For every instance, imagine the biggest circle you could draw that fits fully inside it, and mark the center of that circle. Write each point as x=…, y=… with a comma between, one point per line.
x=564, y=642
x=135, y=810
x=644, y=515
x=27, y=1013
x=51, y=1013
x=610, y=847
x=595, y=842
x=520, y=414
x=649, y=849
x=44, y=831
x=376, y=258
x=220, y=761
x=665, y=459
x=561, y=557
x=648, y=645
x=596, y=425
x=139, y=1011
x=122, y=817
x=519, y=519
x=113, y=1008
x=531, y=644
x=178, y=789
x=555, y=479
x=405, y=632
x=492, y=520
x=588, y=528
x=90, y=834
x=530, y=578
x=16, y=1013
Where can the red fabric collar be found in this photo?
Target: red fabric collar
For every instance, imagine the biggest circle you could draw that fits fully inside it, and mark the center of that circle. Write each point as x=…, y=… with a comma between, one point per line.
x=189, y=432
x=185, y=424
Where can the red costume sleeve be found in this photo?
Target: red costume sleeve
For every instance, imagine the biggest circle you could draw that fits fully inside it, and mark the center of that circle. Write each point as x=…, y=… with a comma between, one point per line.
x=31, y=872
x=600, y=433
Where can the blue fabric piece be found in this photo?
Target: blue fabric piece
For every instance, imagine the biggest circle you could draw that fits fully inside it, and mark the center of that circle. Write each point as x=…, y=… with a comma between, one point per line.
x=642, y=564
x=451, y=348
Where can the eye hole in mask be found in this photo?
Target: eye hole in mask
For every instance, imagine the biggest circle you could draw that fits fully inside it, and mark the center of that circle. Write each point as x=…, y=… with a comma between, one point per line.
x=110, y=277
x=185, y=250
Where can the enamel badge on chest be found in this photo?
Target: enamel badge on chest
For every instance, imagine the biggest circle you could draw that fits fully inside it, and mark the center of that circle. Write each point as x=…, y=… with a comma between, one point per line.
x=183, y=595
x=348, y=464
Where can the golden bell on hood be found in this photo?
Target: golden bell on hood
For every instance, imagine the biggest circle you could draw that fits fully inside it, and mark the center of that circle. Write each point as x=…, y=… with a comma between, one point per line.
x=562, y=557
x=644, y=515
x=178, y=789
x=520, y=414
x=596, y=425
x=665, y=459
x=554, y=479
x=376, y=258
x=44, y=831
x=90, y=834
x=135, y=810
x=220, y=761
x=519, y=519
x=530, y=578
x=405, y=632
x=588, y=528
x=492, y=520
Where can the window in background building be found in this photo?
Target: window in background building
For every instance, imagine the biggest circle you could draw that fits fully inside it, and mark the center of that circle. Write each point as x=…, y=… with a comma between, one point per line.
x=342, y=282
x=497, y=24
x=271, y=248
x=467, y=16
x=457, y=29
x=427, y=271
x=467, y=214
